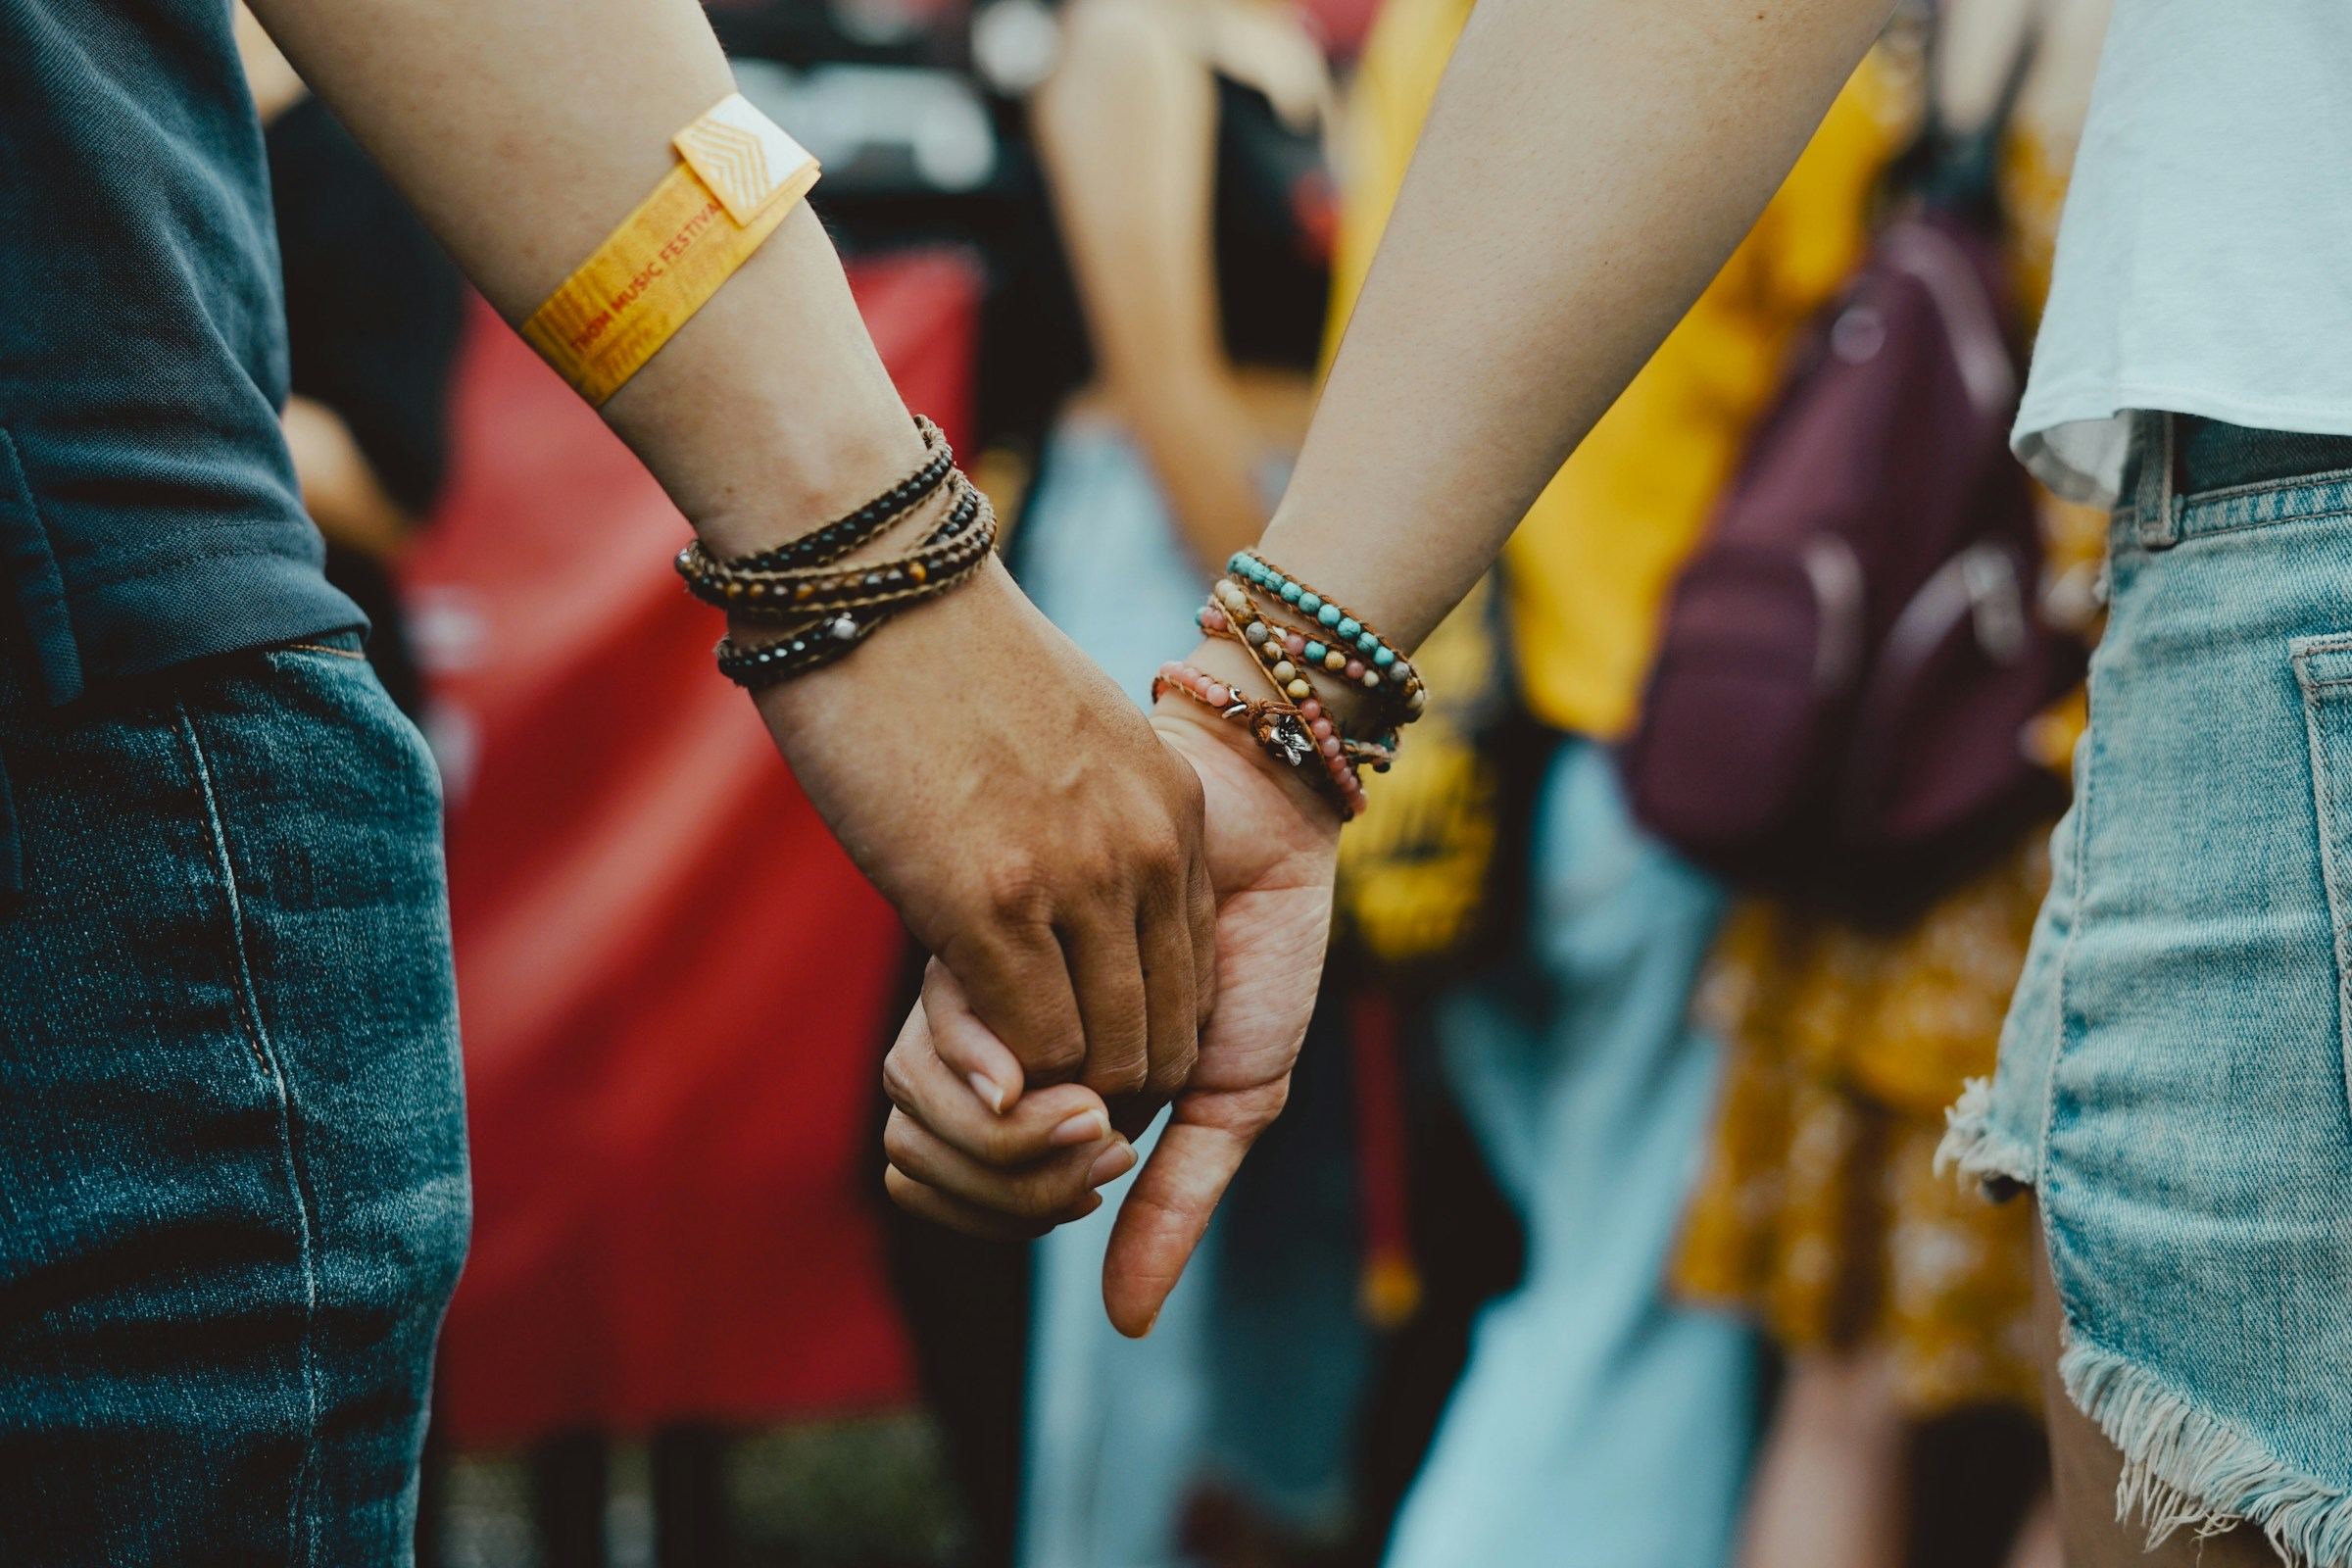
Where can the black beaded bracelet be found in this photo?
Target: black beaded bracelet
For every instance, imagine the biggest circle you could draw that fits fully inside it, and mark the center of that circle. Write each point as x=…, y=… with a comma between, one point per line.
x=845, y=535
x=775, y=597
x=814, y=644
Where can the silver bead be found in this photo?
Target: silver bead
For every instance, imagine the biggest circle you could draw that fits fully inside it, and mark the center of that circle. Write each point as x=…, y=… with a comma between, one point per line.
x=844, y=629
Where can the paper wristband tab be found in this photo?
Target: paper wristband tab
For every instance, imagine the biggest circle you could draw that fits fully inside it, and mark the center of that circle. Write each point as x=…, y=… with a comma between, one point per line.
x=739, y=173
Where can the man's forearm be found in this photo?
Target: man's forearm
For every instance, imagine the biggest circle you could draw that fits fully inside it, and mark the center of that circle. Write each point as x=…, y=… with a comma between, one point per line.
x=1587, y=167
x=523, y=132
x=998, y=787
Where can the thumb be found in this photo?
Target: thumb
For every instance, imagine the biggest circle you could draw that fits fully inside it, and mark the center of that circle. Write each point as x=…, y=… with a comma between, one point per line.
x=1163, y=1216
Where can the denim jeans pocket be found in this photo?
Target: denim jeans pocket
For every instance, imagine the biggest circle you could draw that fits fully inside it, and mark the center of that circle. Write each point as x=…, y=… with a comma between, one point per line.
x=2324, y=671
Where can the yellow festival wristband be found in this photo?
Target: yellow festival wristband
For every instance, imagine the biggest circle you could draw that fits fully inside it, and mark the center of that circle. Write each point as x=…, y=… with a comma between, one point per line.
x=739, y=175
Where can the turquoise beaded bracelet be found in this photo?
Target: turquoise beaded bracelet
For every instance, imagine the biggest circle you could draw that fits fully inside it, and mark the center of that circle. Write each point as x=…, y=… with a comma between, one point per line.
x=1336, y=637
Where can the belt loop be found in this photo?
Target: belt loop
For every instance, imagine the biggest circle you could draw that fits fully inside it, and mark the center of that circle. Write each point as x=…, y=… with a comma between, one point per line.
x=2159, y=527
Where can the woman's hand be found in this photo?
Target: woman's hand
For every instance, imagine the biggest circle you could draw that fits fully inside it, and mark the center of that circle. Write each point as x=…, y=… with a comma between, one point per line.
x=1270, y=844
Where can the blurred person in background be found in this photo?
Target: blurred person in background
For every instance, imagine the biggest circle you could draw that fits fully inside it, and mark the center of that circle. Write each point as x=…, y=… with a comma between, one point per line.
x=1899, y=1301
x=1183, y=147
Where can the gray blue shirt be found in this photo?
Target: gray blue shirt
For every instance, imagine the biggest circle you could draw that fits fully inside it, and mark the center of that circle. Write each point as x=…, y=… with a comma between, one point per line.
x=149, y=512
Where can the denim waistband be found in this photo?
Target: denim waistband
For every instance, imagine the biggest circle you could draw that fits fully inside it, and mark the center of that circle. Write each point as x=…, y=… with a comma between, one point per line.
x=2188, y=477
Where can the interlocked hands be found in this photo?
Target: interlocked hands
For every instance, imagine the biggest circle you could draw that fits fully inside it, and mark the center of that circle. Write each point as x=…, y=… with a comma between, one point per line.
x=974, y=1144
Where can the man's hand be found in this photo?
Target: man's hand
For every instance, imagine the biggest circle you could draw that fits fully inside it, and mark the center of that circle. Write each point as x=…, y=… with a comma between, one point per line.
x=1271, y=845
x=1003, y=792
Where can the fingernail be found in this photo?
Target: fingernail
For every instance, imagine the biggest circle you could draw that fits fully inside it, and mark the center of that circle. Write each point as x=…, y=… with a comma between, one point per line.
x=990, y=1095
x=1111, y=1164
x=1083, y=1128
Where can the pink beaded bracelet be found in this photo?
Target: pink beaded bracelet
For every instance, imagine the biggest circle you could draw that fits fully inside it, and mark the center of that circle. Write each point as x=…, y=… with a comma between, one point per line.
x=1289, y=734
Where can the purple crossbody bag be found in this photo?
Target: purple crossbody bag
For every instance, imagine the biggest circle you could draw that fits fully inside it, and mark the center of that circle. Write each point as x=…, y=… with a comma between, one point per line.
x=1850, y=659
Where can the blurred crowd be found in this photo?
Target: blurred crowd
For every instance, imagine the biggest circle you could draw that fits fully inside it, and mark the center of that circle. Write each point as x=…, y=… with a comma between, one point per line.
x=1603, y=1224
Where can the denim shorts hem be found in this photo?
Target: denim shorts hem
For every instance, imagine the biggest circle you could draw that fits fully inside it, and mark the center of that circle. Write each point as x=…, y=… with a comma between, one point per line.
x=1979, y=1151
x=2186, y=1468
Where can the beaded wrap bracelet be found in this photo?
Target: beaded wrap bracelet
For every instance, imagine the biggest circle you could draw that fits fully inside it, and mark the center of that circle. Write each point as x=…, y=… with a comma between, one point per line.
x=1292, y=726
x=787, y=597
x=827, y=610
x=1280, y=652
x=1337, y=639
x=1290, y=734
x=839, y=537
x=834, y=636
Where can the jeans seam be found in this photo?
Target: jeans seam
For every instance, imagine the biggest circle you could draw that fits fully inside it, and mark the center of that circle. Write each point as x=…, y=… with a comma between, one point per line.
x=2222, y=494
x=2189, y=534
x=299, y=1523
x=2331, y=874
x=2066, y=949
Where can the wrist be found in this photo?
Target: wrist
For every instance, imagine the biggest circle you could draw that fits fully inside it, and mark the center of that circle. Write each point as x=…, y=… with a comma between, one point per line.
x=1219, y=658
x=818, y=488
x=1356, y=710
x=902, y=658
x=769, y=414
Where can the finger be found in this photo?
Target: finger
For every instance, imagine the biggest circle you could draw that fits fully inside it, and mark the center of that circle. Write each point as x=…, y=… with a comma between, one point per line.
x=925, y=1202
x=1042, y=1123
x=1108, y=969
x=1047, y=1191
x=1017, y=981
x=1162, y=1219
x=965, y=1044
x=1171, y=1014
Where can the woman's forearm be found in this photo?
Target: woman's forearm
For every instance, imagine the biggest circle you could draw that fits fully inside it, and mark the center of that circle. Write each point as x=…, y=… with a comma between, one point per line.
x=523, y=132
x=1587, y=167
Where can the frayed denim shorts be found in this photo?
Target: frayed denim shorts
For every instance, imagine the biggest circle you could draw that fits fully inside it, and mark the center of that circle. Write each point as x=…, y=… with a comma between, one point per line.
x=2172, y=1078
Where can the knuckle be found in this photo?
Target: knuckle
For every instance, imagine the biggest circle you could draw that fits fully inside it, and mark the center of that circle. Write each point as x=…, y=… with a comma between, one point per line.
x=1055, y=1060
x=1126, y=1074
x=1184, y=785
x=1001, y=1143
x=1018, y=890
x=1172, y=1071
x=903, y=1190
x=1100, y=869
x=899, y=1143
x=898, y=1078
x=1044, y=1196
x=1164, y=861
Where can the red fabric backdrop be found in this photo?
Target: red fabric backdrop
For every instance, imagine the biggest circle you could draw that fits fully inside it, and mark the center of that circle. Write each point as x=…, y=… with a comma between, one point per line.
x=672, y=981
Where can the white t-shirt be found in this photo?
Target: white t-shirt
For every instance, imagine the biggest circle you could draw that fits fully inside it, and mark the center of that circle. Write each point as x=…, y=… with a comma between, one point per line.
x=2205, y=259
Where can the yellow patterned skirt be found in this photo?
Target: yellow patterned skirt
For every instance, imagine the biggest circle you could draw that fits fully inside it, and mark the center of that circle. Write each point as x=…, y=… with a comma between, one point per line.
x=1819, y=1212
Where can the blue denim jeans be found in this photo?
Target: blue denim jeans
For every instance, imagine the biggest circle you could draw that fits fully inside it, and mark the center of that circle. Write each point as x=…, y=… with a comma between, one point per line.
x=2172, y=1075
x=233, y=1174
